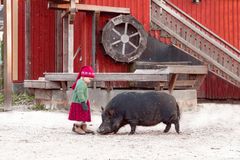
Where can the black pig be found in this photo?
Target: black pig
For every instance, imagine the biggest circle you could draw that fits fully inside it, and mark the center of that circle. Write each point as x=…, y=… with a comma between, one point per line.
x=143, y=109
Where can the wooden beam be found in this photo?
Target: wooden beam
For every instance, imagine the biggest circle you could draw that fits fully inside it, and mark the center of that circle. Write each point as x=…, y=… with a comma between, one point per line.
x=59, y=42
x=188, y=69
x=108, y=77
x=175, y=69
x=199, y=80
x=92, y=8
x=15, y=40
x=172, y=82
x=65, y=44
x=95, y=19
x=73, y=11
x=70, y=45
x=8, y=55
x=63, y=1
x=43, y=84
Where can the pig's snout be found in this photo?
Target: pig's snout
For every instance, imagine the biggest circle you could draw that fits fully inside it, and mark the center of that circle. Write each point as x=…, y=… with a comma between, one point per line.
x=100, y=130
x=104, y=130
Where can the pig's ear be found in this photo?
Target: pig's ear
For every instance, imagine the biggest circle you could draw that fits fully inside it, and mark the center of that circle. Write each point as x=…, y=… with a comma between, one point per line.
x=111, y=112
x=102, y=108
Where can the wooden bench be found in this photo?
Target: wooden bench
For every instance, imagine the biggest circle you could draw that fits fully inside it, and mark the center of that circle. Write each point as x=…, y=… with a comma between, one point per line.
x=166, y=76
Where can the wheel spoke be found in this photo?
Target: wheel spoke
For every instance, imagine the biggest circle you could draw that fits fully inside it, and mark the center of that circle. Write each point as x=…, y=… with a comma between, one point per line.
x=123, y=49
x=116, y=42
x=125, y=29
x=134, y=34
x=118, y=33
x=133, y=45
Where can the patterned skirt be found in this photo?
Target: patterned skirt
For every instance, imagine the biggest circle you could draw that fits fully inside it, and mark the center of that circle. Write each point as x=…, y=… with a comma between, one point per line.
x=76, y=113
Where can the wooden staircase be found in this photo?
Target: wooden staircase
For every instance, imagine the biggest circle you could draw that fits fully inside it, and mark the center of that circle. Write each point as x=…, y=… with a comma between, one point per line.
x=196, y=40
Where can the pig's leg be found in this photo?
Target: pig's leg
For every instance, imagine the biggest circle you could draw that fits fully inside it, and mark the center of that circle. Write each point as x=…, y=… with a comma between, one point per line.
x=177, y=126
x=133, y=128
x=167, y=128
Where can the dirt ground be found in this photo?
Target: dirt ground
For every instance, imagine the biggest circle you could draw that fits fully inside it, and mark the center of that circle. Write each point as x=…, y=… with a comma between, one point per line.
x=210, y=132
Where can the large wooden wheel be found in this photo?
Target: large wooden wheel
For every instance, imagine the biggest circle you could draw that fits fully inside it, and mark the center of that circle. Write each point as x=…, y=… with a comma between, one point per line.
x=124, y=38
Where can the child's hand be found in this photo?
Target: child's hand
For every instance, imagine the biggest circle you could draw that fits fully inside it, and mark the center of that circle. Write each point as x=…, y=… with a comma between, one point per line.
x=84, y=106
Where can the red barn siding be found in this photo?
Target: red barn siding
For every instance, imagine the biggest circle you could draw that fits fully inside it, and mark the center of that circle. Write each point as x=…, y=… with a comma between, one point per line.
x=42, y=39
x=21, y=41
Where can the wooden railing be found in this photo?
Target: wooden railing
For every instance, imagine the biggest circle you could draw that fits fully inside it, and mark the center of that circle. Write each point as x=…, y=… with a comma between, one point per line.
x=196, y=40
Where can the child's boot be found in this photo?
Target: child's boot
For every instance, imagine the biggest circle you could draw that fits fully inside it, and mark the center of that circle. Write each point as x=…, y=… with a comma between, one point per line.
x=78, y=129
x=84, y=128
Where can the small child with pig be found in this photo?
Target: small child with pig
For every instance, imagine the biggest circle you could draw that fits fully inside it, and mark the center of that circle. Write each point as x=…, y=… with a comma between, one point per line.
x=80, y=106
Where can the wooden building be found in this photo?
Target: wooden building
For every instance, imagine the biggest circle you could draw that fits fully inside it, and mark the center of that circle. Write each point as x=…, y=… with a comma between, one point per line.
x=37, y=30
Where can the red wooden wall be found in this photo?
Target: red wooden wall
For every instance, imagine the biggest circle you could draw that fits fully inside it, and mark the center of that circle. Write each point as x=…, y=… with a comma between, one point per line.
x=42, y=39
x=21, y=41
x=220, y=16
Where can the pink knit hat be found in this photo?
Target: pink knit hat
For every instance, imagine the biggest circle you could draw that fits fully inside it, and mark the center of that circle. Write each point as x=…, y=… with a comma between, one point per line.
x=87, y=71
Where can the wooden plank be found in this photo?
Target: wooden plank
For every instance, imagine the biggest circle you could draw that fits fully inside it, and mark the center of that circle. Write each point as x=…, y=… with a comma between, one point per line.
x=92, y=8
x=43, y=84
x=175, y=69
x=130, y=77
x=143, y=63
x=184, y=83
x=63, y=1
x=190, y=69
x=164, y=70
x=107, y=77
x=7, y=55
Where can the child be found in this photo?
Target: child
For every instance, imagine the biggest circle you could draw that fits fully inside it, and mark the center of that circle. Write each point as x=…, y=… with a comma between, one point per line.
x=80, y=106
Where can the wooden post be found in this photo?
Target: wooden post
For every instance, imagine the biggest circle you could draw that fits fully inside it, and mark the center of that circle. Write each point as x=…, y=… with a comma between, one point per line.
x=71, y=18
x=65, y=44
x=8, y=55
x=94, y=40
x=27, y=39
x=70, y=46
x=59, y=41
x=172, y=82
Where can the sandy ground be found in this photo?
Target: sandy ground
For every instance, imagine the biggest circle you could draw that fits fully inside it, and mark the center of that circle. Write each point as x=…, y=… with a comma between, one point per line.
x=211, y=132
